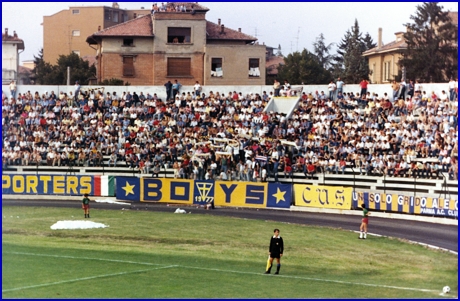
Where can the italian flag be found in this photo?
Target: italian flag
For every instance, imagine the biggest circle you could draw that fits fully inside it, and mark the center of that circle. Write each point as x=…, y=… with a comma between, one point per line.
x=104, y=186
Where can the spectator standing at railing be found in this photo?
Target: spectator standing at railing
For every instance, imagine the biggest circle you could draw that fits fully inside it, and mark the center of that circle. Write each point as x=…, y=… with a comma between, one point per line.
x=277, y=88
x=77, y=88
x=363, y=85
x=13, y=89
x=452, y=87
x=197, y=89
x=411, y=89
x=402, y=89
x=175, y=88
x=339, y=84
x=331, y=88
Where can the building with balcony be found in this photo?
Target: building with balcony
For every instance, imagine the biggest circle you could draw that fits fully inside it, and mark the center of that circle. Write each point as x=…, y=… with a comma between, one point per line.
x=178, y=44
x=12, y=46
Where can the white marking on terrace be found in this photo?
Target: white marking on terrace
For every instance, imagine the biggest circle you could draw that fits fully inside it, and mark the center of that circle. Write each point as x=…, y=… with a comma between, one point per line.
x=200, y=268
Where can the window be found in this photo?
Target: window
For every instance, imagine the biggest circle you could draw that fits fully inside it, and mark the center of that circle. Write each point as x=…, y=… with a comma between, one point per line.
x=75, y=11
x=128, y=42
x=254, y=70
x=125, y=17
x=386, y=71
x=179, y=66
x=216, y=67
x=77, y=52
x=107, y=15
x=115, y=16
x=179, y=35
x=75, y=33
x=128, y=66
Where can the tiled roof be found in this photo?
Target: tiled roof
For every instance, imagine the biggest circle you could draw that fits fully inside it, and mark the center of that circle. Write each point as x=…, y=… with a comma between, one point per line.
x=139, y=27
x=395, y=45
x=10, y=38
x=213, y=32
x=24, y=70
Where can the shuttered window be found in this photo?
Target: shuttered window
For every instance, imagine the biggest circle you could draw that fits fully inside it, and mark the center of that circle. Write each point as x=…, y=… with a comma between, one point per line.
x=128, y=66
x=179, y=66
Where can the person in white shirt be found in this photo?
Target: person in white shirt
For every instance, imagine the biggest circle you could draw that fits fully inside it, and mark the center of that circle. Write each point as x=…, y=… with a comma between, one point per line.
x=331, y=88
x=197, y=88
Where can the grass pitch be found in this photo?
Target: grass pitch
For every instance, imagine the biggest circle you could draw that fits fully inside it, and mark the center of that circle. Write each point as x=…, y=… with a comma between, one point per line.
x=163, y=255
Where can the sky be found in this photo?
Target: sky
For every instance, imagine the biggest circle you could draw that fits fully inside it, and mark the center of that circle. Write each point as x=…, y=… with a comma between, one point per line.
x=293, y=25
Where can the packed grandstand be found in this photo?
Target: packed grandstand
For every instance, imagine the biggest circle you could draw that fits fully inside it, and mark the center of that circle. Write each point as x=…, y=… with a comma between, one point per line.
x=231, y=136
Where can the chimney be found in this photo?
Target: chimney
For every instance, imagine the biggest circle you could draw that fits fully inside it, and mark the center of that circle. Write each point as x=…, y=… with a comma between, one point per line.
x=15, y=34
x=6, y=31
x=379, y=44
x=239, y=29
x=218, y=21
x=99, y=28
x=222, y=27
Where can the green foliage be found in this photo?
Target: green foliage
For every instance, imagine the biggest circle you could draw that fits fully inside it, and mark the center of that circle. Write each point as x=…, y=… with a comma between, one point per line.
x=432, y=45
x=144, y=254
x=349, y=63
x=42, y=70
x=47, y=74
x=322, y=51
x=114, y=82
x=304, y=68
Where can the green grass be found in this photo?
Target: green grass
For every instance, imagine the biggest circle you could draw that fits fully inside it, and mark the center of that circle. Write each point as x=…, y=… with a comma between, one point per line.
x=164, y=255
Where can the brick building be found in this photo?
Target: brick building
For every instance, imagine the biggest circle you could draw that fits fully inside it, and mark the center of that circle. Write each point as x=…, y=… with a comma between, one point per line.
x=66, y=31
x=182, y=45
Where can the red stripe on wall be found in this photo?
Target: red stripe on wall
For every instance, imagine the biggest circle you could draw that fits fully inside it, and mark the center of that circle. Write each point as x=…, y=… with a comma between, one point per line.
x=97, y=185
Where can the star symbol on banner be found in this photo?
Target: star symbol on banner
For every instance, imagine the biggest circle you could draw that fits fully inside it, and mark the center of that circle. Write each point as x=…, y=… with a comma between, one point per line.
x=128, y=189
x=279, y=195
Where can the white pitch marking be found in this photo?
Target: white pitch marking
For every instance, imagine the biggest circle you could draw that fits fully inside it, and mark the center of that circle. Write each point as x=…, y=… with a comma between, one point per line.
x=230, y=271
x=84, y=278
x=415, y=242
x=316, y=279
x=87, y=258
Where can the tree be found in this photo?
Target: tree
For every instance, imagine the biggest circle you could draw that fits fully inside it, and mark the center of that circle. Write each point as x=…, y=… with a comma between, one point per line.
x=368, y=42
x=304, y=68
x=42, y=70
x=349, y=63
x=432, y=51
x=322, y=51
x=47, y=74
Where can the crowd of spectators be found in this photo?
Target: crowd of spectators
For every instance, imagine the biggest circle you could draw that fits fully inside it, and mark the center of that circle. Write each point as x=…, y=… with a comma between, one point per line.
x=229, y=136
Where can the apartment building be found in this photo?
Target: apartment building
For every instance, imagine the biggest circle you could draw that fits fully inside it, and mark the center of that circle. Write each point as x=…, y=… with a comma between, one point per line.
x=178, y=43
x=384, y=59
x=66, y=31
